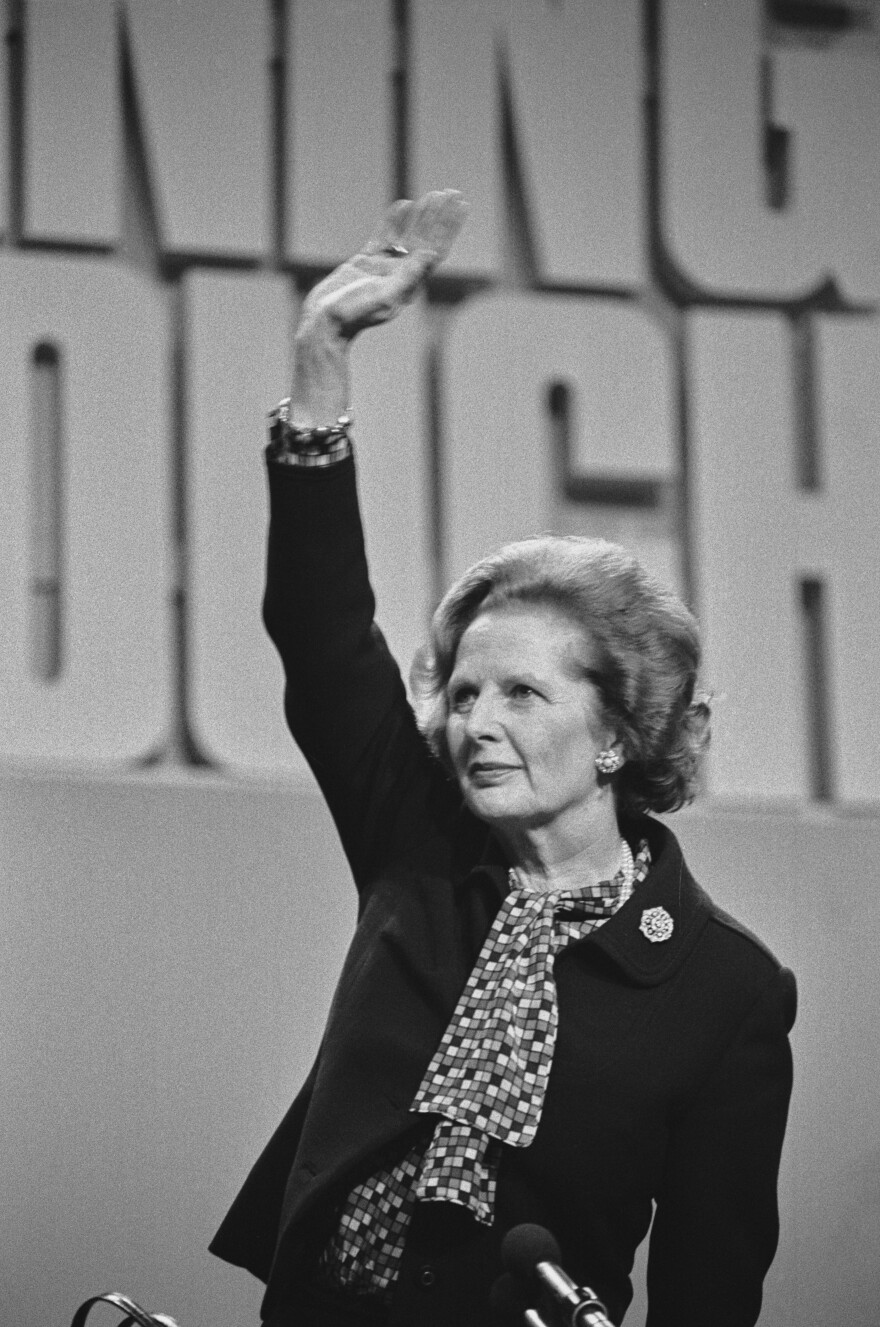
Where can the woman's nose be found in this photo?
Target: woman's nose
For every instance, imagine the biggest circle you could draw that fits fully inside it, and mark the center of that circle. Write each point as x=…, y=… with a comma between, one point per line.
x=482, y=717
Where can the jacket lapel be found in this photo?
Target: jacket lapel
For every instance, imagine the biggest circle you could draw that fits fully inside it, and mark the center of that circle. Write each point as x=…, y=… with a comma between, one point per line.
x=678, y=910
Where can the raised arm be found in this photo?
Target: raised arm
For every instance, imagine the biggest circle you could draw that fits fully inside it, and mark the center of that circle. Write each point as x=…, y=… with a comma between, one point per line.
x=345, y=701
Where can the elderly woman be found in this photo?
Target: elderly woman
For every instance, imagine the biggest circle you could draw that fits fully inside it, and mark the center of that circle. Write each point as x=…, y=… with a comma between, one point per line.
x=542, y=1017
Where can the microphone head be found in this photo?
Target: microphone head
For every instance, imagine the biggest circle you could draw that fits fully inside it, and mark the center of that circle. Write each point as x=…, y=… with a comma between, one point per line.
x=525, y=1246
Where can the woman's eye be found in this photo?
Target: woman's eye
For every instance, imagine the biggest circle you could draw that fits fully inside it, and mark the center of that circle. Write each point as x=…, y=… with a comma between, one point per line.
x=522, y=691
x=461, y=698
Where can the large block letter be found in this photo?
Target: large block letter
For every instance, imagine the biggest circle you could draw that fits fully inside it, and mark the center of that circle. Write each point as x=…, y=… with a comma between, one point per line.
x=848, y=356
x=339, y=134
x=108, y=329
x=504, y=354
x=832, y=101
x=576, y=93
x=786, y=581
x=720, y=226
x=574, y=103
x=72, y=121
x=202, y=82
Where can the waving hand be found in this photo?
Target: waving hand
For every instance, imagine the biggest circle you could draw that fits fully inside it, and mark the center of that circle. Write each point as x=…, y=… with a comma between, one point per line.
x=366, y=290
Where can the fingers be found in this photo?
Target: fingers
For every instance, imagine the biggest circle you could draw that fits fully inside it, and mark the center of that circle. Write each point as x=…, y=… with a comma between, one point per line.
x=372, y=286
x=432, y=224
x=425, y=229
x=387, y=234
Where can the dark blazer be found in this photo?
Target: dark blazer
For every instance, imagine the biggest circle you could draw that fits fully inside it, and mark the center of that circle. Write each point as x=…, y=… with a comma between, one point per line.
x=672, y=1071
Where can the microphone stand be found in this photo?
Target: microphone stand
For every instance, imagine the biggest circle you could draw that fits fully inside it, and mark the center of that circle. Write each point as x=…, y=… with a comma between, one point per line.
x=582, y=1303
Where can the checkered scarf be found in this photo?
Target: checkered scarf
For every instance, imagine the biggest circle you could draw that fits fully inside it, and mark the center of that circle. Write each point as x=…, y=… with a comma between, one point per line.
x=487, y=1078
x=489, y=1073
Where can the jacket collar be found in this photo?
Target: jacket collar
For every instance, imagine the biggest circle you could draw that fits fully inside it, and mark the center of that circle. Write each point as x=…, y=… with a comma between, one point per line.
x=669, y=886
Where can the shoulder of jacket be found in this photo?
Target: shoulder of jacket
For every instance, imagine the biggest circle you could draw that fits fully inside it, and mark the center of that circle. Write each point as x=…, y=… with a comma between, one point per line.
x=734, y=927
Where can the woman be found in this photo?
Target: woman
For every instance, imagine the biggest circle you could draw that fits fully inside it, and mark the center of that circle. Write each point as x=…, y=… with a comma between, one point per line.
x=542, y=1017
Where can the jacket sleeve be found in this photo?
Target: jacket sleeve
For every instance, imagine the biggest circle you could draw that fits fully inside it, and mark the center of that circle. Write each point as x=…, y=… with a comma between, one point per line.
x=345, y=702
x=716, y=1224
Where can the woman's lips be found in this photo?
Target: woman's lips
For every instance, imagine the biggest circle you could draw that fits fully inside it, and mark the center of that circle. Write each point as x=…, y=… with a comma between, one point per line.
x=485, y=771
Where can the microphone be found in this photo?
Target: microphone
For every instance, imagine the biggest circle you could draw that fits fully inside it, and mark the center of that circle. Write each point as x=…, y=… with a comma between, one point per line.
x=531, y=1252
x=509, y=1304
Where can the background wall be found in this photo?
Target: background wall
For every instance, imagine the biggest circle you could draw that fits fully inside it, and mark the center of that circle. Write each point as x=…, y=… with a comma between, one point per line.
x=660, y=326
x=169, y=951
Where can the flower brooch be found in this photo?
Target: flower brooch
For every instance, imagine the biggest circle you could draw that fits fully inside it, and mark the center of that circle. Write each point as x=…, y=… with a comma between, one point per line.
x=656, y=924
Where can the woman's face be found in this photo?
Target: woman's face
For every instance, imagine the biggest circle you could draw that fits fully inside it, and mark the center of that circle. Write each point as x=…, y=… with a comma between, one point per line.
x=524, y=725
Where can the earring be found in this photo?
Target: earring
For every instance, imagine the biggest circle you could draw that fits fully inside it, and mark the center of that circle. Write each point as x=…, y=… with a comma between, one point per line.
x=609, y=762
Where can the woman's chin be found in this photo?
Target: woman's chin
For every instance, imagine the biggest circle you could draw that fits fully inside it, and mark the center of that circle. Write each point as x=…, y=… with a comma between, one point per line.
x=492, y=802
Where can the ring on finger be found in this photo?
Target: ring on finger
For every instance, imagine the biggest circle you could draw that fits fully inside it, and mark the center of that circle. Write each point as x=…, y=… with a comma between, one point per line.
x=395, y=251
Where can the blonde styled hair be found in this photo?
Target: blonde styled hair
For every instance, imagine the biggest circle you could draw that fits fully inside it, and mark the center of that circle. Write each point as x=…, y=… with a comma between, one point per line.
x=643, y=641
